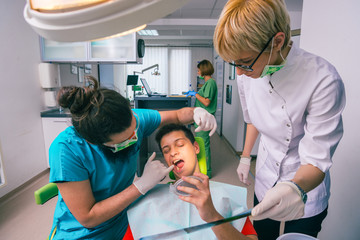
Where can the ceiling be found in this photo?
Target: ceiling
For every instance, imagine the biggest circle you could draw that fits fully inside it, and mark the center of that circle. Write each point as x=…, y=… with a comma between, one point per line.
x=194, y=23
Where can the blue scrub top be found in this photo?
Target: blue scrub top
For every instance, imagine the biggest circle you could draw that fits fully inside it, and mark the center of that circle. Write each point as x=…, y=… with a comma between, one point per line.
x=73, y=159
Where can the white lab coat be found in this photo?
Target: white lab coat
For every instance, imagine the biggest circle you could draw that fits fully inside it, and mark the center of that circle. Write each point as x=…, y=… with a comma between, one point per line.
x=299, y=120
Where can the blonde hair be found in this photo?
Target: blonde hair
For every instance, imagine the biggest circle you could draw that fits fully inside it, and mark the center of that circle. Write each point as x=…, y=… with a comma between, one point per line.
x=246, y=25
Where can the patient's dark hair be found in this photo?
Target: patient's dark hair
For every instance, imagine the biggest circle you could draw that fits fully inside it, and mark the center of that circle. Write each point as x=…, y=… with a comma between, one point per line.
x=96, y=113
x=171, y=128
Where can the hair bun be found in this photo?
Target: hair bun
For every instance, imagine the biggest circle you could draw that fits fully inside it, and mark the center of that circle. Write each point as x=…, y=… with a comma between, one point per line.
x=78, y=99
x=92, y=82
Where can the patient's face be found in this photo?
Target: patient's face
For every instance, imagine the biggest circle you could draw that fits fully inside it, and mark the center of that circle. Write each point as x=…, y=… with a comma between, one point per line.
x=179, y=151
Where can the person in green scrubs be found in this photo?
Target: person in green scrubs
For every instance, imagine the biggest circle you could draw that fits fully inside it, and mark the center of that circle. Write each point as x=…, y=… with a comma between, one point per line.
x=206, y=98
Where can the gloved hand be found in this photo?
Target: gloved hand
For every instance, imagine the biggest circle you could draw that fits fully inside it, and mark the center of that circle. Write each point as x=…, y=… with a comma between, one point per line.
x=191, y=93
x=154, y=172
x=243, y=170
x=282, y=203
x=204, y=120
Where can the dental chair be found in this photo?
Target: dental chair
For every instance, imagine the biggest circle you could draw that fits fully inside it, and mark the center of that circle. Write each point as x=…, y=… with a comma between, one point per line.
x=45, y=193
x=201, y=156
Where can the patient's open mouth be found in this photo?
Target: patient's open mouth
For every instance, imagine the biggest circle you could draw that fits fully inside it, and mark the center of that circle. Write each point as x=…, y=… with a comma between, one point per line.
x=178, y=164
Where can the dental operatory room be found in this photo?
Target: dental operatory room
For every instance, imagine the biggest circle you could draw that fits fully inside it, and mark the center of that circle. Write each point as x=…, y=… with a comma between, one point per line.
x=179, y=119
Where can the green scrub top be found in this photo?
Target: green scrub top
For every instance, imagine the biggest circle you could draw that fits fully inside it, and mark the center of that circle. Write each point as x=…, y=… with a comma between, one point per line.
x=208, y=90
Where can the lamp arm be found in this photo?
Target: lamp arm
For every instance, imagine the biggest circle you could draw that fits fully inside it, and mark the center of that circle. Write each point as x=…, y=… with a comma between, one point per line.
x=148, y=68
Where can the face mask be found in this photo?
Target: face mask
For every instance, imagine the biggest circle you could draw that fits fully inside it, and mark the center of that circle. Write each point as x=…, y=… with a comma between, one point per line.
x=270, y=69
x=127, y=143
x=201, y=77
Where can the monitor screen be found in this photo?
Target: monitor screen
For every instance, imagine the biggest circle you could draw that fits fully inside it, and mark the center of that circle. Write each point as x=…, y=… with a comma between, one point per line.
x=132, y=79
x=146, y=86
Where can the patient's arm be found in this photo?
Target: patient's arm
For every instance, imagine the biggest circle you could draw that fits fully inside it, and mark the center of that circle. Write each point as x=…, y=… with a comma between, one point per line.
x=201, y=198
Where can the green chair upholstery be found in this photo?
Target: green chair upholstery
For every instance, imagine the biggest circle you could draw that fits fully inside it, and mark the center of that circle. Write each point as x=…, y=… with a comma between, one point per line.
x=45, y=193
x=201, y=156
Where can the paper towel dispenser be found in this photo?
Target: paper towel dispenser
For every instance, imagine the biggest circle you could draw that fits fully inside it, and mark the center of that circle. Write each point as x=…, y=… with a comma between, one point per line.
x=49, y=75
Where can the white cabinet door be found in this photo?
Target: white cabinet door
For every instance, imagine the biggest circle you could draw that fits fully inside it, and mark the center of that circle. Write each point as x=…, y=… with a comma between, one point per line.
x=119, y=49
x=51, y=129
x=52, y=51
x=123, y=49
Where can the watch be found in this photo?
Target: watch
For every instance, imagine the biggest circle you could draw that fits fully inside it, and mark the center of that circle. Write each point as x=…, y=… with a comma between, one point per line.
x=302, y=192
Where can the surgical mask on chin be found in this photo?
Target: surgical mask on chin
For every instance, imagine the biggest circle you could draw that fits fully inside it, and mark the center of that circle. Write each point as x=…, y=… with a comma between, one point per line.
x=125, y=144
x=270, y=69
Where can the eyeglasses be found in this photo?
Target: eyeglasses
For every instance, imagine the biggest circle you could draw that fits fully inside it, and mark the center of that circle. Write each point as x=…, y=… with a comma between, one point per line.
x=249, y=68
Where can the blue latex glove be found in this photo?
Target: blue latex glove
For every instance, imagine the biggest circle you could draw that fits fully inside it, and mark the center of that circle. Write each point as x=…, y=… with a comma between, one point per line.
x=191, y=93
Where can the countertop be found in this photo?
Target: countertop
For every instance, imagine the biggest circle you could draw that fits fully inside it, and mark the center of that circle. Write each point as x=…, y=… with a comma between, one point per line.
x=56, y=113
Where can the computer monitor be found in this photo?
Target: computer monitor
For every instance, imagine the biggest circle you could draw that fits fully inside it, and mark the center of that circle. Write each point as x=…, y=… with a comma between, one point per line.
x=132, y=79
x=146, y=86
x=148, y=90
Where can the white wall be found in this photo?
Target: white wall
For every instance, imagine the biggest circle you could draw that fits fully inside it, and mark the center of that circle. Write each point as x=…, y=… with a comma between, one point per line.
x=331, y=29
x=21, y=138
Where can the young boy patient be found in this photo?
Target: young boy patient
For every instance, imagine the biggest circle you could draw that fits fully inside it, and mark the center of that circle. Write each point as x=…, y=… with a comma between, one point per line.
x=162, y=211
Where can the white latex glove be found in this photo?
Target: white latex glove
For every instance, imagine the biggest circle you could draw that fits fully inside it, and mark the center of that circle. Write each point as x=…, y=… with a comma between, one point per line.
x=282, y=203
x=154, y=172
x=204, y=120
x=243, y=170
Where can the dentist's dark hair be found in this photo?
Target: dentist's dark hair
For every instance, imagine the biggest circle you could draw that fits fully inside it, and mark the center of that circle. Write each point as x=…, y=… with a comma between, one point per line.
x=96, y=113
x=172, y=127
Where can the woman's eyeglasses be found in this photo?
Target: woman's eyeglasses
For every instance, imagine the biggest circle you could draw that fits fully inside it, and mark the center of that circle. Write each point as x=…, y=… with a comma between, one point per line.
x=249, y=68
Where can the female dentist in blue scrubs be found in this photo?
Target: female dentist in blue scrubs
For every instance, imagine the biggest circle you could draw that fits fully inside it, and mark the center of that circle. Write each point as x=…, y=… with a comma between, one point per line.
x=93, y=162
x=294, y=100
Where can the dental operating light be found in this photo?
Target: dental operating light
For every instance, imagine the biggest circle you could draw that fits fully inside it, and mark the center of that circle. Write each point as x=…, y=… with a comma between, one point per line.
x=86, y=20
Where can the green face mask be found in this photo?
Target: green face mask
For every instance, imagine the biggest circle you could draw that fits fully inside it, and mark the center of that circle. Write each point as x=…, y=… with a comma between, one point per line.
x=201, y=77
x=270, y=69
x=127, y=143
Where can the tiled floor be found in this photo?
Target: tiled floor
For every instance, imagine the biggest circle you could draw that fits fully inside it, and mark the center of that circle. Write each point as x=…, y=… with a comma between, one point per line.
x=21, y=218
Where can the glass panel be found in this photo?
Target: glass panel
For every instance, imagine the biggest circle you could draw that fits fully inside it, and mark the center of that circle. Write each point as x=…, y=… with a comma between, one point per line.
x=119, y=48
x=62, y=51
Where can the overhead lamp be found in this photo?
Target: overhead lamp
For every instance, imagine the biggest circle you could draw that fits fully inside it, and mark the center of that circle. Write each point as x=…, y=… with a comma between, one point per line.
x=85, y=20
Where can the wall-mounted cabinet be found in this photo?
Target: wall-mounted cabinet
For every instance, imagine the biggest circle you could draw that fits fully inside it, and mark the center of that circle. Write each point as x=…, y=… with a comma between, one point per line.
x=52, y=51
x=124, y=49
